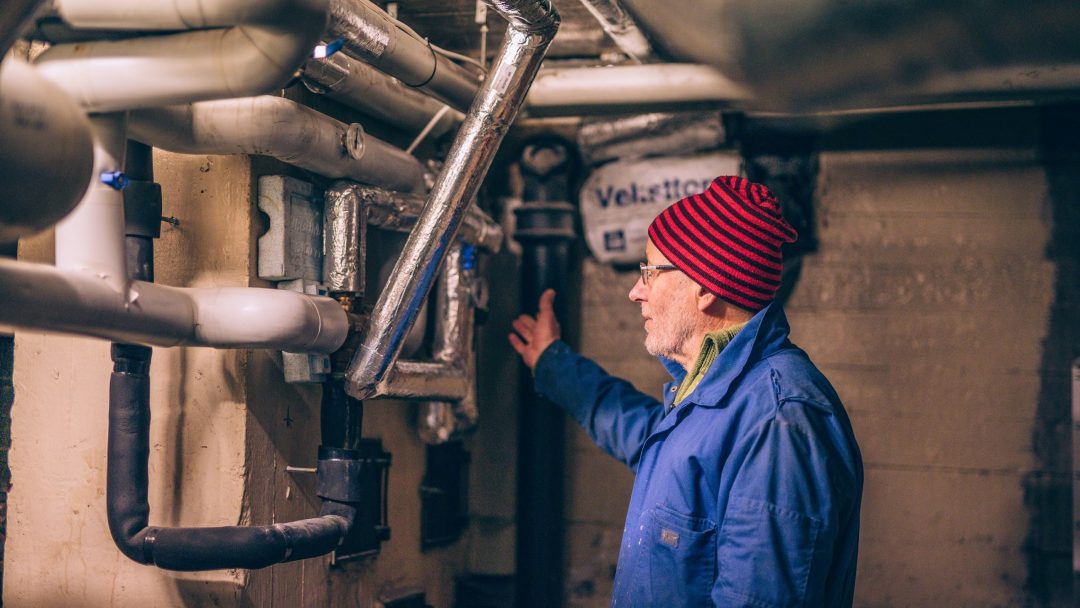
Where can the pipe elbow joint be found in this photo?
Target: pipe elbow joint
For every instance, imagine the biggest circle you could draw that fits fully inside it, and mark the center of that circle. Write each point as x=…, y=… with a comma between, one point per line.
x=137, y=546
x=530, y=16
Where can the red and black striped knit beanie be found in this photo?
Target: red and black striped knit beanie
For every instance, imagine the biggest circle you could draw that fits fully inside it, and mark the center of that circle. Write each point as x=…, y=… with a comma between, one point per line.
x=727, y=239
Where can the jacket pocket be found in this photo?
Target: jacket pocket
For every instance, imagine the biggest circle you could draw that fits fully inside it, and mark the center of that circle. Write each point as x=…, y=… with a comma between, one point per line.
x=681, y=558
x=765, y=554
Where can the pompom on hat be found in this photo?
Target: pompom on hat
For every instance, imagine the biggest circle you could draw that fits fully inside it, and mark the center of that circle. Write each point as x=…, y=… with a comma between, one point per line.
x=727, y=239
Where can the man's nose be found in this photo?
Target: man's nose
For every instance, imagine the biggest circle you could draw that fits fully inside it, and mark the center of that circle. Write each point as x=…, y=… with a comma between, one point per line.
x=638, y=291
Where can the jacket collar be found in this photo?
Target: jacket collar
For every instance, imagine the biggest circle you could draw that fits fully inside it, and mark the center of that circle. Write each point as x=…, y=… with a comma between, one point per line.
x=766, y=333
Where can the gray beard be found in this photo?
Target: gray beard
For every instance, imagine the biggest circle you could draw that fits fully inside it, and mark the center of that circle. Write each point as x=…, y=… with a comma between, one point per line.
x=669, y=347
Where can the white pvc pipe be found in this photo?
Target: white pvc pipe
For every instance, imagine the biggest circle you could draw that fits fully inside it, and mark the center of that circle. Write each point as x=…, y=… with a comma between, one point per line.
x=91, y=238
x=257, y=55
x=44, y=298
x=568, y=91
x=249, y=317
x=284, y=129
x=44, y=139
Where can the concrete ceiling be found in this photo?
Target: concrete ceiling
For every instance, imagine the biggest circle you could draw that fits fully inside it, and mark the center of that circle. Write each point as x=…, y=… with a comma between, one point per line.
x=450, y=24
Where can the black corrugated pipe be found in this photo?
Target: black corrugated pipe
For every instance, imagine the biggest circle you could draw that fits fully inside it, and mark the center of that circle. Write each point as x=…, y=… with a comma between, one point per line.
x=129, y=450
x=545, y=229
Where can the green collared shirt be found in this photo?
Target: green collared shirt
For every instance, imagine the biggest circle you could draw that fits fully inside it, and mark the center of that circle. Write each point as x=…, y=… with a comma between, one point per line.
x=710, y=350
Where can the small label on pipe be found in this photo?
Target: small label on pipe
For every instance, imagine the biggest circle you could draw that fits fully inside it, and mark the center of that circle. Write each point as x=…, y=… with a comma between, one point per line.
x=322, y=51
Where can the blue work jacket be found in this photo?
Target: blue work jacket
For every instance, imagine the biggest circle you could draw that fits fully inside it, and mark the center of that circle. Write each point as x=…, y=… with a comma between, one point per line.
x=746, y=494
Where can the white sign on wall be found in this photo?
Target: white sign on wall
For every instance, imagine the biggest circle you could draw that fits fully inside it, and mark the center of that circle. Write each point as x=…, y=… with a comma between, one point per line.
x=619, y=200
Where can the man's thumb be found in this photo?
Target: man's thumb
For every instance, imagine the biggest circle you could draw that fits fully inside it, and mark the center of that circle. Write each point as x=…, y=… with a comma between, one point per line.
x=547, y=299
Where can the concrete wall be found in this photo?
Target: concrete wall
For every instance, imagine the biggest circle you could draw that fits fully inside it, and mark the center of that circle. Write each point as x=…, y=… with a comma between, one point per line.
x=225, y=426
x=930, y=305
x=926, y=306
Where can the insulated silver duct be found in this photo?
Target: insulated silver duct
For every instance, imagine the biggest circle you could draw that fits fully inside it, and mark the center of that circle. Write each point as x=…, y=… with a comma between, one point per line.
x=533, y=24
x=400, y=211
x=361, y=86
x=350, y=208
x=449, y=376
x=442, y=421
x=344, y=253
x=371, y=36
x=627, y=137
x=281, y=128
x=622, y=29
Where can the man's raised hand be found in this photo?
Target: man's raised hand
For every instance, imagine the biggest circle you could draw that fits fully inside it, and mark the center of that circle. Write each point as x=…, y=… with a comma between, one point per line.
x=532, y=335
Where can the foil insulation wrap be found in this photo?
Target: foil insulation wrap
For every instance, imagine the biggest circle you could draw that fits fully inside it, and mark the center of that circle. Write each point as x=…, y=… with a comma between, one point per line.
x=344, y=226
x=494, y=108
x=658, y=133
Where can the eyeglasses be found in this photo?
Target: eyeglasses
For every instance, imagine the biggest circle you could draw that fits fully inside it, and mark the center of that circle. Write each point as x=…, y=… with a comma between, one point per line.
x=647, y=269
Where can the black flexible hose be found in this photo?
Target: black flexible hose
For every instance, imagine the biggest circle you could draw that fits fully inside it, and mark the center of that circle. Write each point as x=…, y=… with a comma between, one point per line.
x=189, y=548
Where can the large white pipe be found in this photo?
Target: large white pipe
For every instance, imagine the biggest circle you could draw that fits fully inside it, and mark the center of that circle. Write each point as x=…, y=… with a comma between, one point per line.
x=45, y=298
x=281, y=128
x=91, y=238
x=638, y=88
x=257, y=54
x=44, y=141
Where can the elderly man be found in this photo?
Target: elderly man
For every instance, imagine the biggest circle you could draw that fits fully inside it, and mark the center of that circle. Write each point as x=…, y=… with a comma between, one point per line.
x=748, y=478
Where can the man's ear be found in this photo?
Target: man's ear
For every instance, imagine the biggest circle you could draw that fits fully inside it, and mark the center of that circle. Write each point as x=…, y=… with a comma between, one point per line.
x=707, y=301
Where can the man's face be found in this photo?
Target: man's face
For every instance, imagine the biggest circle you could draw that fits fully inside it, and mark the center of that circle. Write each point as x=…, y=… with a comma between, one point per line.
x=668, y=307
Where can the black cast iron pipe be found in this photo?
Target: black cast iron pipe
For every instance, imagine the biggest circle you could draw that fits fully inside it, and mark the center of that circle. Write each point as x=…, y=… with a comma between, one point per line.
x=545, y=229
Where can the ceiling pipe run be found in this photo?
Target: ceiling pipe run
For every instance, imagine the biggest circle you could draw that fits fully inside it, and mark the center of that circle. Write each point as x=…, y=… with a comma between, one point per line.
x=370, y=35
x=621, y=27
x=631, y=88
x=358, y=85
x=283, y=129
x=532, y=26
x=252, y=48
x=44, y=138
